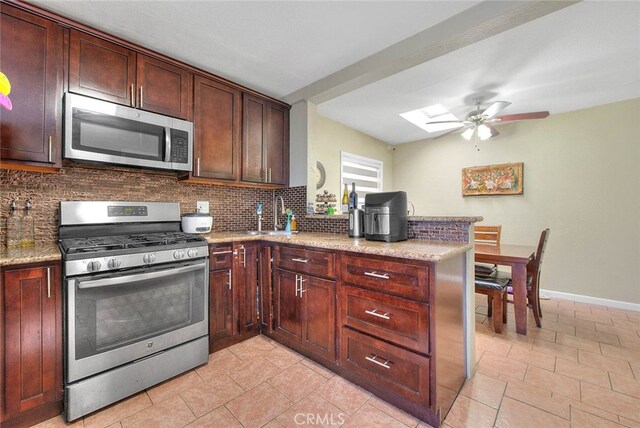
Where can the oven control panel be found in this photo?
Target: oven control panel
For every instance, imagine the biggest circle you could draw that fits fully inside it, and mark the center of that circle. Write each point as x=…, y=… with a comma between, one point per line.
x=127, y=211
x=124, y=261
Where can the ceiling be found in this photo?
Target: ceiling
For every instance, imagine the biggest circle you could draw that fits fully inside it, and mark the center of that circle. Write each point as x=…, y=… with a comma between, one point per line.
x=365, y=62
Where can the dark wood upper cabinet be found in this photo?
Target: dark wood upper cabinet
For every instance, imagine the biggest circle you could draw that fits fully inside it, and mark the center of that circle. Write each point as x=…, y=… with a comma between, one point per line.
x=32, y=306
x=163, y=88
x=277, y=144
x=105, y=70
x=101, y=69
x=265, y=141
x=217, y=119
x=254, y=135
x=32, y=58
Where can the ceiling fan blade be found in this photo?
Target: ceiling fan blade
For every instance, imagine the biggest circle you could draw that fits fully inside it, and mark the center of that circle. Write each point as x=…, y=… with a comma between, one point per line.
x=447, y=133
x=495, y=108
x=494, y=131
x=522, y=116
x=442, y=126
x=444, y=121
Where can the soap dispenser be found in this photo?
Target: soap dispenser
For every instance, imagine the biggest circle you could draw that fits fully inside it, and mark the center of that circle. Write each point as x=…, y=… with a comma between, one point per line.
x=13, y=226
x=27, y=231
x=259, y=213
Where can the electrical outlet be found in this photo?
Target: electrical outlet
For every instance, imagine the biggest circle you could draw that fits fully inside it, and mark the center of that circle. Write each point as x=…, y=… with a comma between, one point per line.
x=202, y=207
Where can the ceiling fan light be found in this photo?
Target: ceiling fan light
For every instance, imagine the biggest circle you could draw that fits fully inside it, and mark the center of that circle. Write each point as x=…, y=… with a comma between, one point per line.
x=485, y=132
x=468, y=134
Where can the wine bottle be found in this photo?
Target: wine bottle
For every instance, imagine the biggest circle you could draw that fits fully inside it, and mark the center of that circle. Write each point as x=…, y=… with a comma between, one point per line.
x=353, y=197
x=345, y=199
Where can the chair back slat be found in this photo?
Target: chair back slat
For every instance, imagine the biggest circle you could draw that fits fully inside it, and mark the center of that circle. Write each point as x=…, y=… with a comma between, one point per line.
x=489, y=235
x=536, y=268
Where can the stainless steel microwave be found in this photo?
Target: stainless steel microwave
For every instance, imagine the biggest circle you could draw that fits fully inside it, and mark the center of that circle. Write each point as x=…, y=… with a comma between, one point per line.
x=100, y=131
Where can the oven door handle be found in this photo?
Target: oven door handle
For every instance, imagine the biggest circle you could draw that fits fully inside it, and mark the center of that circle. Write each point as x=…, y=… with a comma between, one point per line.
x=119, y=280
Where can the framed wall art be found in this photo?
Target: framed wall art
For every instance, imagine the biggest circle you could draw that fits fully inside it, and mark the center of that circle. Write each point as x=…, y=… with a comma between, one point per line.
x=502, y=179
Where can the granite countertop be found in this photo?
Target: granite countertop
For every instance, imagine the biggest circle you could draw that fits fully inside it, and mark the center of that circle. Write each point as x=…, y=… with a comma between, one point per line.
x=40, y=253
x=417, y=249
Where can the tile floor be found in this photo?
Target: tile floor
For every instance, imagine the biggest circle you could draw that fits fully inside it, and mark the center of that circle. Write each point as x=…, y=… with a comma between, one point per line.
x=582, y=369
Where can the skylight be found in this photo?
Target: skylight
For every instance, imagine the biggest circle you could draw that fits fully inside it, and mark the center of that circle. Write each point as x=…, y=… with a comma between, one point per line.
x=434, y=113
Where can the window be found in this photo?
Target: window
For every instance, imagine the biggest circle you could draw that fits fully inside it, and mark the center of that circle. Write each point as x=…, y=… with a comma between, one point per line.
x=365, y=172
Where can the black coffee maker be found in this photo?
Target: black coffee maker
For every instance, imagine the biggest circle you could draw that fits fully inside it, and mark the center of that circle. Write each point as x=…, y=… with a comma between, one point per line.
x=385, y=216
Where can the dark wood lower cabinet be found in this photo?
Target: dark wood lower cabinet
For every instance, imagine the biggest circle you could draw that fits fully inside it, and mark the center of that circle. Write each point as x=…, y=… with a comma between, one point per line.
x=246, y=281
x=233, y=294
x=220, y=306
x=32, y=354
x=304, y=308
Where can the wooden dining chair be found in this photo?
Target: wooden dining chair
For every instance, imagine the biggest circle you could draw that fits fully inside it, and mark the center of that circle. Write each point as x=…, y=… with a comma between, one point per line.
x=495, y=288
x=489, y=235
x=533, y=278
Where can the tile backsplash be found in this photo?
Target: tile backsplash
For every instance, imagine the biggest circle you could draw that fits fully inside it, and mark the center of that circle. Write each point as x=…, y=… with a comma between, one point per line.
x=233, y=208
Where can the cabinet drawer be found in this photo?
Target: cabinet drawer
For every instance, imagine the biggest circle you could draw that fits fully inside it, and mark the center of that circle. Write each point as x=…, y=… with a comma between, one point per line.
x=391, y=318
x=220, y=257
x=314, y=262
x=404, y=279
x=399, y=370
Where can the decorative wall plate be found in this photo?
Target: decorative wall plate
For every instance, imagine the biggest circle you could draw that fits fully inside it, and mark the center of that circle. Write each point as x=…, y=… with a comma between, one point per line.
x=321, y=175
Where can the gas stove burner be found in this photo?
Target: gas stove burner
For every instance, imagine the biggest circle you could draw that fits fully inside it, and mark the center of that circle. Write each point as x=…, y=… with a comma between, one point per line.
x=107, y=243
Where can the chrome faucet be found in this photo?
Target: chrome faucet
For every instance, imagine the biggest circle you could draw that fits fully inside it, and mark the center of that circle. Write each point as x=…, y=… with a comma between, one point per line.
x=276, y=224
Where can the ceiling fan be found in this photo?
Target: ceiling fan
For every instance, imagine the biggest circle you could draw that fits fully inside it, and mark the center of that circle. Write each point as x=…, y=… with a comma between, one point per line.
x=477, y=123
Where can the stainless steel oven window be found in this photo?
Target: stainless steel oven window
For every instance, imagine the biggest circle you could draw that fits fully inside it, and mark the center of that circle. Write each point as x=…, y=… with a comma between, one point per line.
x=114, y=319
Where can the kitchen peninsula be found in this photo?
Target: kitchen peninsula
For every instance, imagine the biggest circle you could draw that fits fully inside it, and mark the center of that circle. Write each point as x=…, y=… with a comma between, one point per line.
x=389, y=317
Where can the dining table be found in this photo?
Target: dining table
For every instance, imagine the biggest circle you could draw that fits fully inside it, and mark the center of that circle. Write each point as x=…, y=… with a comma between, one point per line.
x=518, y=258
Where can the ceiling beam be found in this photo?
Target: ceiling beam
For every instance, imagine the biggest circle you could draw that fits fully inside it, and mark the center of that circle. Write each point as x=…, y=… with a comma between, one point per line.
x=477, y=23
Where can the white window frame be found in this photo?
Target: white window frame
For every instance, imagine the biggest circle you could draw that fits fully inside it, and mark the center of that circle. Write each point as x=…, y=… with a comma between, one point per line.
x=349, y=159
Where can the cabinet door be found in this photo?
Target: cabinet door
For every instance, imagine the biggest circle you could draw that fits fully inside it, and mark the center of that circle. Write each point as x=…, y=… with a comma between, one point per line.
x=287, y=305
x=216, y=115
x=266, y=294
x=253, y=137
x=32, y=59
x=32, y=337
x=318, y=316
x=163, y=88
x=220, y=306
x=277, y=144
x=101, y=69
x=246, y=278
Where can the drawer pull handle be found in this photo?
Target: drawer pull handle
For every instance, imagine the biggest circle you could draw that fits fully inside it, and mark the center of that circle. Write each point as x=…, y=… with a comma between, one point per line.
x=376, y=314
x=377, y=275
x=215, y=253
x=375, y=361
x=300, y=260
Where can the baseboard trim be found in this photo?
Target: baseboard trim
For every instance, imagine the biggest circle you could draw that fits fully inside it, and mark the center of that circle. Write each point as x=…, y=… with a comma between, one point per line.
x=618, y=304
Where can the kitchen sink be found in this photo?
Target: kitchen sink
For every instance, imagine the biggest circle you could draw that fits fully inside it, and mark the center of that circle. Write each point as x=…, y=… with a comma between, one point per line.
x=270, y=232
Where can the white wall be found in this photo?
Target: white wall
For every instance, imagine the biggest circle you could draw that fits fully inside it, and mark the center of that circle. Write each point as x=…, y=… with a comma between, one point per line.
x=298, y=135
x=325, y=141
x=581, y=179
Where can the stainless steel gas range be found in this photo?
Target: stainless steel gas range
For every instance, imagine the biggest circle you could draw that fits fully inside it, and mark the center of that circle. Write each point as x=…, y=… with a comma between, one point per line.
x=136, y=300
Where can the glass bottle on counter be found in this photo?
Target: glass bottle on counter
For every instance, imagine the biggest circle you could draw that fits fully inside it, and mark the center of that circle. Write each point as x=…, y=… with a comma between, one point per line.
x=345, y=199
x=353, y=197
x=27, y=231
x=13, y=226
